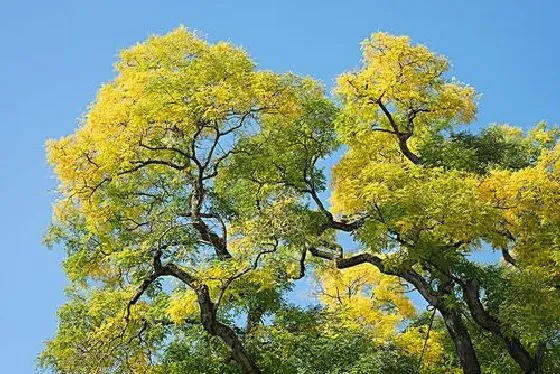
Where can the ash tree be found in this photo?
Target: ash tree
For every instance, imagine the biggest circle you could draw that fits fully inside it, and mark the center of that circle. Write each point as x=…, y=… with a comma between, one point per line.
x=192, y=197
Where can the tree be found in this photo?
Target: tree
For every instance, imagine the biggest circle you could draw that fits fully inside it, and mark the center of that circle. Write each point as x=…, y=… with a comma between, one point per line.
x=431, y=211
x=191, y=199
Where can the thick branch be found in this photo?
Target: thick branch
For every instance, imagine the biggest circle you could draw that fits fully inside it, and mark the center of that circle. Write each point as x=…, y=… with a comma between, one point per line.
x=331, y=222
x=210, y=321
x=227, y=334
x=471, y=293
x=452, y=317
x=462, y=341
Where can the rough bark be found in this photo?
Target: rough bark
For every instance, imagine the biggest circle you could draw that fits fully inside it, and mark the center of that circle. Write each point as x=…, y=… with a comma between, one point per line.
x=462, y=341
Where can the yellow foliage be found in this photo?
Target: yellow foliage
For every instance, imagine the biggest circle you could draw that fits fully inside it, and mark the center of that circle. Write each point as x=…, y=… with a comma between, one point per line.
x=366, y=299
x=528, y=202
x=182, y=306
x=133, y=175
x=165, y=89
x=407, y=80
x=413, y=341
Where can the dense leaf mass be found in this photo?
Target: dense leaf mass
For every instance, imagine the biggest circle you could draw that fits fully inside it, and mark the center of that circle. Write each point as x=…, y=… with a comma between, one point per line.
x=192, y=207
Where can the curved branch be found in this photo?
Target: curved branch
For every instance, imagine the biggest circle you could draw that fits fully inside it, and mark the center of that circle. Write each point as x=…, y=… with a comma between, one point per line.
x=516, y=349
x=401, y=136
x=452, y=317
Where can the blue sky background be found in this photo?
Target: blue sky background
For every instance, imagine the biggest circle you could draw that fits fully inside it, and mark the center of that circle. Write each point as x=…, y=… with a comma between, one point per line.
x=55, y=54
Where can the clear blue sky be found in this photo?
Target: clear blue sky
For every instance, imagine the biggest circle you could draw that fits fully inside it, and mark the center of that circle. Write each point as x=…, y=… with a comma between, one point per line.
x=55, y=54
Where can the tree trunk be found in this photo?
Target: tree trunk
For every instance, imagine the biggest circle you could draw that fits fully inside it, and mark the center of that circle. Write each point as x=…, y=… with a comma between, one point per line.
x=452, y=318
x=224, y=332
x=461, y=340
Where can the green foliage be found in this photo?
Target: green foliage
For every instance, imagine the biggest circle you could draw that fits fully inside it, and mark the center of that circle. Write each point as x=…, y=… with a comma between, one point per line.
x=191, y=199
x=297, y=341
x=501, y=147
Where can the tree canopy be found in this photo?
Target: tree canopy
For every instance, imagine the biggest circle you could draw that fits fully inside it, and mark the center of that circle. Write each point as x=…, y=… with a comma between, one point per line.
x=197, y=194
